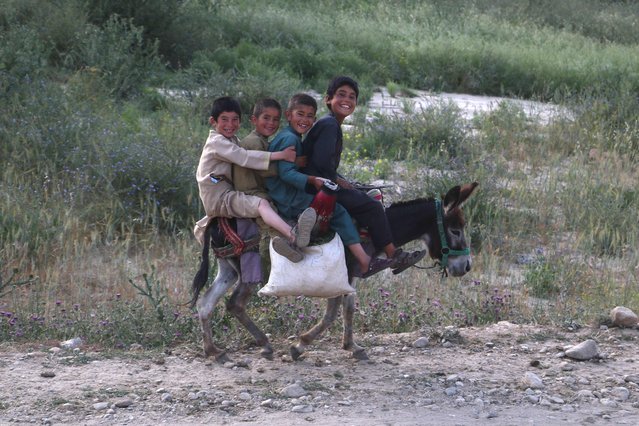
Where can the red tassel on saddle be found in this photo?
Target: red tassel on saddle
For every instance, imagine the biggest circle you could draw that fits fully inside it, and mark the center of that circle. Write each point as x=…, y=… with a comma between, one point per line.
x=324, y=205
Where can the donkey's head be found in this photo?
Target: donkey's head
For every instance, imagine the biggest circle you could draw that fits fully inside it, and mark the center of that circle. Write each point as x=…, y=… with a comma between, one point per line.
x=451, y=248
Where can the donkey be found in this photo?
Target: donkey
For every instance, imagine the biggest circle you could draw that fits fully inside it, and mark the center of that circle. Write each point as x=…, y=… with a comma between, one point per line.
x=439, y=223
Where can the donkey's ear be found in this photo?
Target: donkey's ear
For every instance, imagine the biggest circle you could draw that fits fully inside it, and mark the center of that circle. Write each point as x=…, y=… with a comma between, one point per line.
x=451, y=199
x=466, y=191
x=457, y=195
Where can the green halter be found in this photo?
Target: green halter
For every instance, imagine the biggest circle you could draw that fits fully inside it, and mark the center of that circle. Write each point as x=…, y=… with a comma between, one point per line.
x=446, y=251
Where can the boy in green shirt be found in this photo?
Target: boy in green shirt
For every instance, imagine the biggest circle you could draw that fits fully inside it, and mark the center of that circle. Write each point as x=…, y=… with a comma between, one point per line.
x=266, y=118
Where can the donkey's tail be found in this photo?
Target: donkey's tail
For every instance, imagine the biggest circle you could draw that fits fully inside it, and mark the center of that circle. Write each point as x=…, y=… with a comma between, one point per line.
x=202, y=275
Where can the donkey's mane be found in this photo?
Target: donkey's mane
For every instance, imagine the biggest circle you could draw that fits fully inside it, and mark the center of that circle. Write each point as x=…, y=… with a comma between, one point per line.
x=410, y=202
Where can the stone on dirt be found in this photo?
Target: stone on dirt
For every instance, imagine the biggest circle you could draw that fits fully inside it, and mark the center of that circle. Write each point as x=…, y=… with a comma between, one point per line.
x=293, y=391
x=532, y=381
x=623, y=317
x=124, y=403
x=422, y=342
x=583, y=351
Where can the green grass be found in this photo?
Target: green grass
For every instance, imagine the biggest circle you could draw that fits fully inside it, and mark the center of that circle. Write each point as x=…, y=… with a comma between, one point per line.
x=97, y=163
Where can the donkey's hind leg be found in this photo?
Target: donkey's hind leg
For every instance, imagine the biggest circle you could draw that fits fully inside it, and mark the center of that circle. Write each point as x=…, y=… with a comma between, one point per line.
x=226, y=277
x=237, y=306
x=348, y=343
x=305, y=339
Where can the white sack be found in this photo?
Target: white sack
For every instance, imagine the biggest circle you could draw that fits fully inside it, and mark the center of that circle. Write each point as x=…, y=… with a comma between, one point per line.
x=322, y=272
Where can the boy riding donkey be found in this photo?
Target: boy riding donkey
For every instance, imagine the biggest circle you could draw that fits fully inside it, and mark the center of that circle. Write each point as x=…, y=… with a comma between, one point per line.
x=323, y=148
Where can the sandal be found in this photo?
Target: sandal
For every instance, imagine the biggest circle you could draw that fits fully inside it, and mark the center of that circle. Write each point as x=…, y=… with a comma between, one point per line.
x=284, y=248
x=376, y=265
x=404, y=260
x=305, y=223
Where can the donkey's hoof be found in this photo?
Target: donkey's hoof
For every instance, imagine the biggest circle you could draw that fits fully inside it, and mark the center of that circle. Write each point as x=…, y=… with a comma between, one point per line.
x=267, y=354
x=222, y=358
x=295, y=353
x=211, y=351
x=360, y=355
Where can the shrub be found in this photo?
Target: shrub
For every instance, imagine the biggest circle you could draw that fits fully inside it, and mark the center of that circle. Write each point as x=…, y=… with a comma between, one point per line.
x=604, y=222
x=436, y=130
x=22, y=54
x=119, y=55
x=248, y=81
x=541, y=278
x=115, y=323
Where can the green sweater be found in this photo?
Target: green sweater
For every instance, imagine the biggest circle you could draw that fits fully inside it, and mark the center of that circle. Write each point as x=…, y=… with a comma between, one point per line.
x=288, y=188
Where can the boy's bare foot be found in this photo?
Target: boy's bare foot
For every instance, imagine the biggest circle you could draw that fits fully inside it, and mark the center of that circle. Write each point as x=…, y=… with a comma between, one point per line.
x=285, y=248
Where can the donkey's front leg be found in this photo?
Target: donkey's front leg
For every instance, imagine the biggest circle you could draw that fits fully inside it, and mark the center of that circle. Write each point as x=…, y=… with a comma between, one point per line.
x=237, y=306
x=348, y=343
x=305, y=339
x=226, y=277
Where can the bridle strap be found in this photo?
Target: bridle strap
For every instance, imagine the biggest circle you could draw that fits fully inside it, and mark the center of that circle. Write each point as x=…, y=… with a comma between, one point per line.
x=446, y=251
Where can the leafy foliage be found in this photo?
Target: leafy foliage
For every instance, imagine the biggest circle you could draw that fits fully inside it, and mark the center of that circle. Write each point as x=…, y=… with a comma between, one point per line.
x=103, y=108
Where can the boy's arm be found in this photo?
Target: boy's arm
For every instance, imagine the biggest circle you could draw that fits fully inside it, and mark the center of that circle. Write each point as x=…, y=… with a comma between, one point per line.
x=287, y=154
x=229, y=151
x=253, y=141
x=259, y=160
x=287, y=170
x=300, y=161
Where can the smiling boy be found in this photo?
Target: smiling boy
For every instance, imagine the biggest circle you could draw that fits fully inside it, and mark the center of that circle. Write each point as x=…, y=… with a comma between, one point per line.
x=266, y=118
x=323, y=148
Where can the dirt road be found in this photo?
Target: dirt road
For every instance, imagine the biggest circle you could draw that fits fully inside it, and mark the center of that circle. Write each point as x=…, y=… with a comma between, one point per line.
x=464, y=376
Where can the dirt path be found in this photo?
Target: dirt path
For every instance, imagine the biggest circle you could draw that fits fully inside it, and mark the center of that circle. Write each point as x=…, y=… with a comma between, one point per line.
x=474, y=377
x=469, y=105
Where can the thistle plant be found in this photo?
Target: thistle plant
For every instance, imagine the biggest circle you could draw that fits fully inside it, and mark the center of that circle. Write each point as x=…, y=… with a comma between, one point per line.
x=14, y=282
x=153, y=291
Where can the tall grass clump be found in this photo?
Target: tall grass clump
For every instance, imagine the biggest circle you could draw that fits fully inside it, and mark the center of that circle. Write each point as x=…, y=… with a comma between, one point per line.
x=430, y=302
x=434, y=131
x=605, y=223
x=113, y=322
x=118, y=53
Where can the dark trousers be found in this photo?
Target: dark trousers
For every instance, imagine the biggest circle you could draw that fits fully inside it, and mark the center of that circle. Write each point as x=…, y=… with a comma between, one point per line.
x=368, y=213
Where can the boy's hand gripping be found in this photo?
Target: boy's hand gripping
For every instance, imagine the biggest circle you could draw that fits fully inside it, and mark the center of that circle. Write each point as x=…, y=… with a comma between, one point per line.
x=289, y=154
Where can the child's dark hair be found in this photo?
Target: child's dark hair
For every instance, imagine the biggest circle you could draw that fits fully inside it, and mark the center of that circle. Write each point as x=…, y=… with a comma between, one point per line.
x=225, y=104
x=340, y=81
x=262, y=104
x=302, y=99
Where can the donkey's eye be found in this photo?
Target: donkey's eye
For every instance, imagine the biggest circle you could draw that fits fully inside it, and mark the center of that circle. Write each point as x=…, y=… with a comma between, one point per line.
x=456, y=232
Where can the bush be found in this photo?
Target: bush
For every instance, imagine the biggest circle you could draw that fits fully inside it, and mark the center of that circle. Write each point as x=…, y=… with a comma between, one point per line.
x=436, y=130
x=119, y=55
x=248, y=81
x=541, y=278
x=22, y=54
x=116, y=169
x=116, y=323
